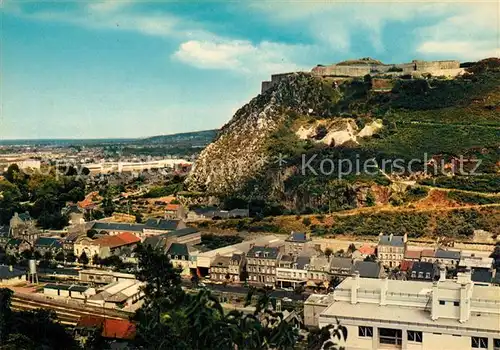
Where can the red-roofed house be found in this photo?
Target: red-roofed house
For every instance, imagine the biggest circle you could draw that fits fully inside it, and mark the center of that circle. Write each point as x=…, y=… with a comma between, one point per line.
x=413, y=255
x=118, y=329
x=366, y=250
x=174, y=211
x=107, y=245
x=427, y=255
x=111, y=329
x=406, y=265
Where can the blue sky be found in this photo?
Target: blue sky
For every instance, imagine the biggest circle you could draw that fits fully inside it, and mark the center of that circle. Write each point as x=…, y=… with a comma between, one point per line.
x=94, y=69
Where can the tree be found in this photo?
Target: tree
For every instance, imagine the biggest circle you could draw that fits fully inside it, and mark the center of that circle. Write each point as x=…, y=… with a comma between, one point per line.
x=70, y=257
x=328, y=253
x=107, y=206
x=48, y=255
x=351, y=249
x=60, y=256
x=12, y=171
x=91, y=233
x=34, y=329
x=96, y=260
x=83, y=259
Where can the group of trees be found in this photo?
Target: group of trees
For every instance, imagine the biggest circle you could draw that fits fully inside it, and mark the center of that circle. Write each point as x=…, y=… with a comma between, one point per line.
x=27, y=330
x=46, y=194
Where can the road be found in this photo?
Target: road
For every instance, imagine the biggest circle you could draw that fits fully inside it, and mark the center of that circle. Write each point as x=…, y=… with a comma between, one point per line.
x=243, y=291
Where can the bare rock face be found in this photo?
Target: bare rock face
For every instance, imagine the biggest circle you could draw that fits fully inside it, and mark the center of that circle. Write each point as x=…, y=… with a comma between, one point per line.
x=238, y=153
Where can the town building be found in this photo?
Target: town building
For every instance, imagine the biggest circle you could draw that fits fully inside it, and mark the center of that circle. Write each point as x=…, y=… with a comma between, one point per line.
x=292, y=270
x=22, y=226
x=450, y=258
x=383, y=313
x=318, y=272
x=115, y=228
x=106, y=246
x=175, y=211
x=363, y=252
x=482, y=276
x=219, y=270
x=369, y=269
x=10, y=276
x=412, y=255
x=296, y=242
x=212, y=213
x=44, y=245
x=118, y=294
x=473, y=261
x=117, y=333
x=96, y=277
x=423, y=271
x=261, y=264
x=391, y=249
x=341, y=267
x=427, y=255
x=72, y=291
x=237, y=267
x=155, y=227
x=178, y=253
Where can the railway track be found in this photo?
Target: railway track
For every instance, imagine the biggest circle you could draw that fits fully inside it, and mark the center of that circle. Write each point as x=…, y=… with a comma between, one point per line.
x=66, y=314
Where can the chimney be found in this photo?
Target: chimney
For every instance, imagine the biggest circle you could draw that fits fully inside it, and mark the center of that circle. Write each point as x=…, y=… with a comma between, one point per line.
x=442, y=272
x=355, y=287
x=11, y=268
x=465, y=296
x=464, y=277
x=435, y=301
x=405, y=238
x=384, y=287
x=390, y=237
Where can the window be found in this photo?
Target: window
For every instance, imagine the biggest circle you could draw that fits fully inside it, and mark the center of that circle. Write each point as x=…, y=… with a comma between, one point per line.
x=365, y=331
x=479, y=343
x=442, y=302
x=496, y=344
x=390, y=336
x=427, y=275
x=420, y=274
x=415, y=336
x=456, y=303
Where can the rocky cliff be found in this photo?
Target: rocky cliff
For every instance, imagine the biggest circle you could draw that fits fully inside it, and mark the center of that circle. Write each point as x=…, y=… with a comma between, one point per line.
x=239, y=152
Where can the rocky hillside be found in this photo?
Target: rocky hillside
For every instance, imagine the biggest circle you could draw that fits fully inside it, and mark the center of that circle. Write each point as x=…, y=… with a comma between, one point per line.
x=239, y=152
x=258, y=156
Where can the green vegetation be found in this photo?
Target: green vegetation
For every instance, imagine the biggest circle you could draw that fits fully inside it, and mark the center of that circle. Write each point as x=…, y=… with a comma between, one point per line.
x=30, y=330
x=477, y=183
x=42, y=195
x=470, y=198
x=172, y=187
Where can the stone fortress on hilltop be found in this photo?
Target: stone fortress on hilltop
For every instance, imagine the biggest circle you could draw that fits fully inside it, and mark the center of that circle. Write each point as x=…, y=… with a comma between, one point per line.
x=364, y=66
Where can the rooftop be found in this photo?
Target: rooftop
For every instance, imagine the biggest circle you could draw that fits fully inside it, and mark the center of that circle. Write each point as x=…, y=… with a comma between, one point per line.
x=447, y=254
x=8, y=272
x=48, y=242
x=178, y=249
x=393, y=241
x=299, y=237
x=68, y=287
x=263, y=252
x=413, y=254
x=124, y=238
x=162, y=224
x=117, y=226
x=367, y=269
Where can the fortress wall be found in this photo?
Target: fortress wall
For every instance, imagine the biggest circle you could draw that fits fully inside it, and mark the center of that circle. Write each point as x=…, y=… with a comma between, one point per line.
x=275, y=79
x=349, y=71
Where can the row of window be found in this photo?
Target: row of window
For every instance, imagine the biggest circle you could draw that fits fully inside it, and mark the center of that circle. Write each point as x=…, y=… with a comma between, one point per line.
x=261, y=262
x=261, y=269
x=394, y=336
x=443, y=302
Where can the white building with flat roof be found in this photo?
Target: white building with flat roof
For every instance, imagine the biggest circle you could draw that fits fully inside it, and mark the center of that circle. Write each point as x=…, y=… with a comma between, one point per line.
x=393, y=314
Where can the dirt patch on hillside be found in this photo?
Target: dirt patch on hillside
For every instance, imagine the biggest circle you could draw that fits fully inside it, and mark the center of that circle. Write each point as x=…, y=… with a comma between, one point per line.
x=436, y=199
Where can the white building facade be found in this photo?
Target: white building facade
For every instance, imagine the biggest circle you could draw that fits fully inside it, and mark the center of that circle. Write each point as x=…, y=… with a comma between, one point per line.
x=392, y=314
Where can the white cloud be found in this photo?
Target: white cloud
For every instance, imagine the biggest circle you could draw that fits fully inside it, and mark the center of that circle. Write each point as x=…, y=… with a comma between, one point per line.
x=470, y=32
x=242, y=56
